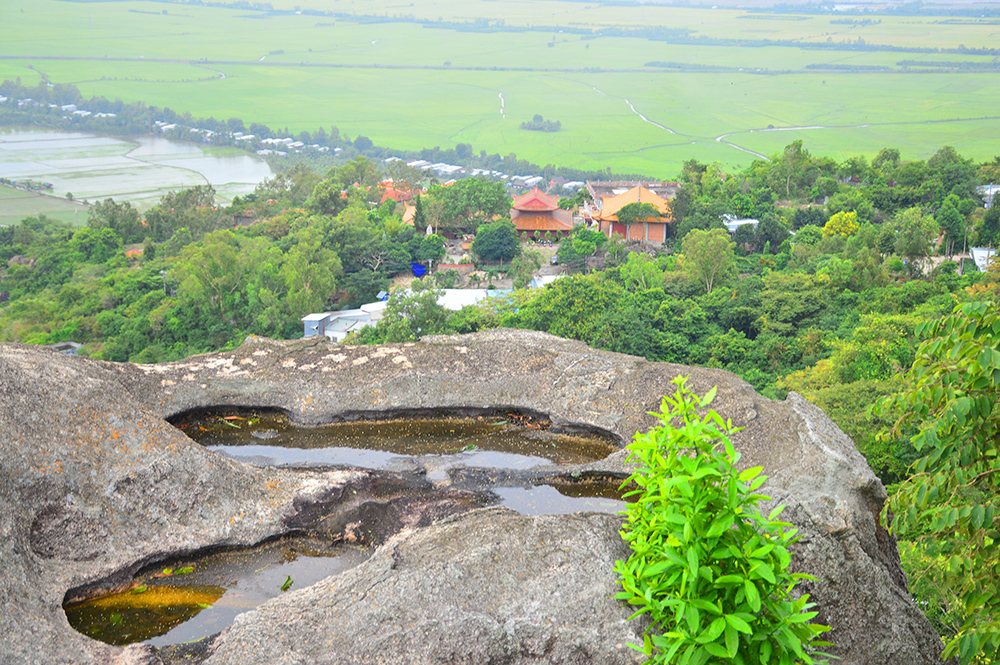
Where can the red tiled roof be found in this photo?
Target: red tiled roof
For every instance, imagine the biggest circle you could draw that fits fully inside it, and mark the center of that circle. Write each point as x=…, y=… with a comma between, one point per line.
x=536, y=199
x=397, y=194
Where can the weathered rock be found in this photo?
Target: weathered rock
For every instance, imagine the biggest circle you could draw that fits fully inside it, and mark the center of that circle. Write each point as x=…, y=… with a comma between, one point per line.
x=94, y=484
x=489, y=586
x=22, y=260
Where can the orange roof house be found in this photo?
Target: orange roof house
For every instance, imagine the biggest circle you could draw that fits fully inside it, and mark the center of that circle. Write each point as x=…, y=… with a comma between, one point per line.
x=536, y=212
x=409, y=212
x=652, y=229
x=399, y=194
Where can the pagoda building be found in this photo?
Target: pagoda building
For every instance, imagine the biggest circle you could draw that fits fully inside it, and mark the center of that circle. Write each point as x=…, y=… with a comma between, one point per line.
x=609, y=198
x=536, y=212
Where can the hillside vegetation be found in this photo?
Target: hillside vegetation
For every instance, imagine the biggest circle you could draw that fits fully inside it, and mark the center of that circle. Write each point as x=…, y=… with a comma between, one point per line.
x=831, y=293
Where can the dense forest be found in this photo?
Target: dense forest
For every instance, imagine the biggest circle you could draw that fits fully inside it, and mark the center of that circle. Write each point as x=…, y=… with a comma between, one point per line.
x=829, y=294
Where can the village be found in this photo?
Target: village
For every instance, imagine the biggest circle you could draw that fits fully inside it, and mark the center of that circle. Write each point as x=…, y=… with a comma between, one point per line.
x=539, y=221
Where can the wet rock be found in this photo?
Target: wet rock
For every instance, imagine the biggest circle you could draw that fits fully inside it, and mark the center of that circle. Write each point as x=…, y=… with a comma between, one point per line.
x=95, y=484
x=489, y=586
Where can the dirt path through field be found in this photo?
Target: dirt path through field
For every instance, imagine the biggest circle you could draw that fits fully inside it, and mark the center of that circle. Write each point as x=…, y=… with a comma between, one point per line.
x=722, y=138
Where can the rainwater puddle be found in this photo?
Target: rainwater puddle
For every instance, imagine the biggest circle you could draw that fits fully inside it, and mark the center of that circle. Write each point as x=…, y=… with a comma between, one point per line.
x=586, y=497
x=201, y=596
x=437, y=444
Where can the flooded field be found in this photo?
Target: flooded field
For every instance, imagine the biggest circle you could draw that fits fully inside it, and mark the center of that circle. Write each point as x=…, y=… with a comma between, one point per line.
x=138, y=170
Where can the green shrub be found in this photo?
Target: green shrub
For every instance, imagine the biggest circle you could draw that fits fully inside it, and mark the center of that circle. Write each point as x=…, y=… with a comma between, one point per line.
x=706, y=567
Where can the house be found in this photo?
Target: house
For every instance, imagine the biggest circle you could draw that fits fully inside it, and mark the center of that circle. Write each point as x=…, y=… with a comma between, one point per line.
x=607, y=198
x=541, y=281
x=398, y=193
x=338, y=325
x=456, y=299
x=536, y=213
x=409, y=213
x=335, y=325
x=66, y=348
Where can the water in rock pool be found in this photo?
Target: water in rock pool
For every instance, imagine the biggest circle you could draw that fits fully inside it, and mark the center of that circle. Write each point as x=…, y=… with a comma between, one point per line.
x=437, y=444
x=602, y=497
x=189, y=599
x=197, y=597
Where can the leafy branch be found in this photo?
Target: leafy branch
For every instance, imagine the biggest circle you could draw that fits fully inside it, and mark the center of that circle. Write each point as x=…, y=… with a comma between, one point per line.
x=709, y=570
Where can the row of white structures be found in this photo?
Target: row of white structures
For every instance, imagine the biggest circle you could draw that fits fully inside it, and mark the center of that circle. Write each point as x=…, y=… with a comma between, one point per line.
x=338, y=325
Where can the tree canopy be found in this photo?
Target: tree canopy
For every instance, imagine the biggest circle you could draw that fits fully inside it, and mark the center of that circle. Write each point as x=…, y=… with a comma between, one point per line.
x=950, y=505
x=466, y=204
x=497, y=241
x=709, y=256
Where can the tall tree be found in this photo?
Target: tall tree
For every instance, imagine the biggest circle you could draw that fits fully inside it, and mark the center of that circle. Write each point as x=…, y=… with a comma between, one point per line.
x=709, y=256
x=790, y=169
x=496, y=241
x=989, y=233
x=419, y=215
x=915, y=232
x=634, y=213
x=122, y=218
x=470, y=202
x=413, y=313
x=640, y=272
x=952, y=223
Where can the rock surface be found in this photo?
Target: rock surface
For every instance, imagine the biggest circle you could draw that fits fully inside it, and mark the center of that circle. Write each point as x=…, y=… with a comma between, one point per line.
x=94, y=484
x=489, y=586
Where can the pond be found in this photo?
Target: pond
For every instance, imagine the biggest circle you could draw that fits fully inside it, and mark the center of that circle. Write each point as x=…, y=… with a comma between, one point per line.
x=139, y=170
x=190, y=598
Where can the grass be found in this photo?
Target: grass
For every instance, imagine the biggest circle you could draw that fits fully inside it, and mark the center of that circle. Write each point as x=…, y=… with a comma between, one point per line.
x=390, y=81
x=16, y=204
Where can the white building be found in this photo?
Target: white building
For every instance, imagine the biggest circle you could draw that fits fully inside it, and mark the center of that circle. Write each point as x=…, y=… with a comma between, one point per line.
x=732, y=223
x=982, y=256
x=988, y=192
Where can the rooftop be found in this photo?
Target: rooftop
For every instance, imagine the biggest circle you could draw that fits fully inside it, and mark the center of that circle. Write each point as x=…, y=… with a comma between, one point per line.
x=598, y=189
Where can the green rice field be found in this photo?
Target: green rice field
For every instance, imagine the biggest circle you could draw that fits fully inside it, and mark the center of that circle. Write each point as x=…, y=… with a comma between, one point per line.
x=16, y=204
x=625, y=101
